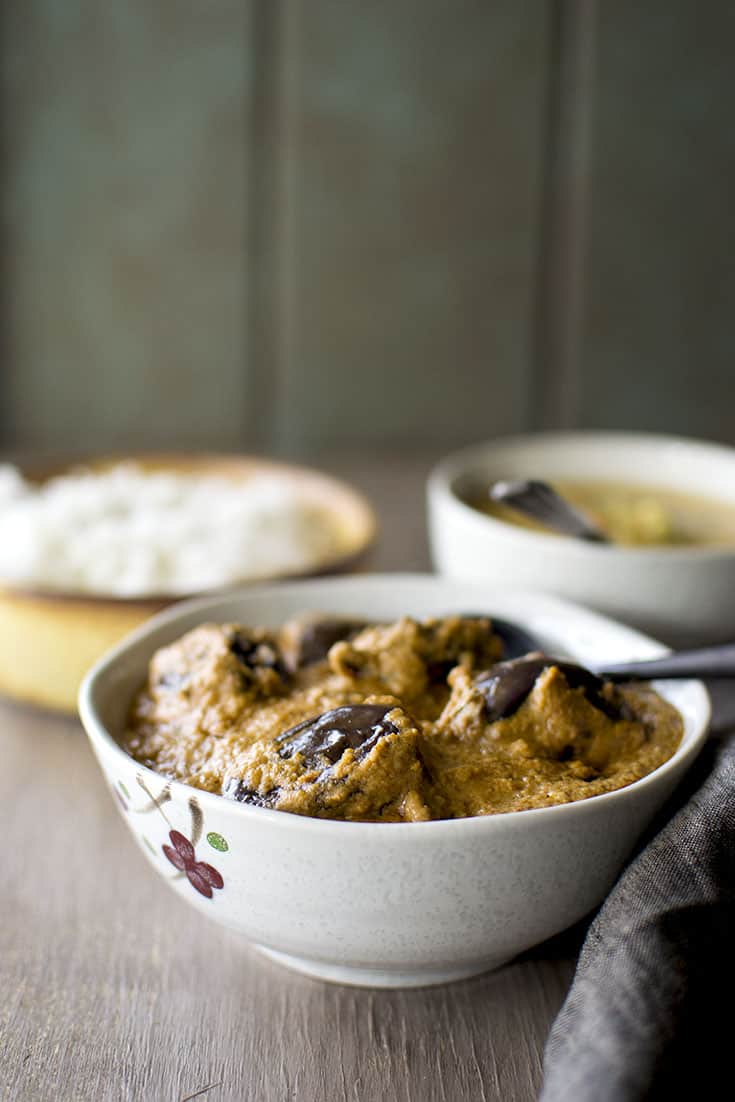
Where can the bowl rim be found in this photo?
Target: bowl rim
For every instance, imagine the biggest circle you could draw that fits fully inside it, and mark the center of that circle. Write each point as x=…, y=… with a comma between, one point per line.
x=427, y=830
x=41, y=470
x=443, y=476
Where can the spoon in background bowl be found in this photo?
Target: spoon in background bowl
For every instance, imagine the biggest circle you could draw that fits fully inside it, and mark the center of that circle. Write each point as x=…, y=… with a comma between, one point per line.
x=540, y=501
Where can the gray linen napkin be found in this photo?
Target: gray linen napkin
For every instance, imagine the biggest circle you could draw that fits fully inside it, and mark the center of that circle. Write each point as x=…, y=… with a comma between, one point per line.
x=650, y=1012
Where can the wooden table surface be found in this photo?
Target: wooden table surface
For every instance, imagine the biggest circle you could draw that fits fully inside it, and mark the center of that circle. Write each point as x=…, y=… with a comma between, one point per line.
x=114, y=989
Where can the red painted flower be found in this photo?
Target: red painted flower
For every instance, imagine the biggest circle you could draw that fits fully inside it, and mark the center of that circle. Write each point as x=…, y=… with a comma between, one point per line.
x=201, y=876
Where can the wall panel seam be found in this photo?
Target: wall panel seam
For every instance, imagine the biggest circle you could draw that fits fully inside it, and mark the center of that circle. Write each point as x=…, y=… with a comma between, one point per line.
x=558, y=319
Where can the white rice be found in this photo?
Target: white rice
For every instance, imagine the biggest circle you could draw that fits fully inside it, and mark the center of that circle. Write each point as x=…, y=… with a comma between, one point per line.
x=128, y=532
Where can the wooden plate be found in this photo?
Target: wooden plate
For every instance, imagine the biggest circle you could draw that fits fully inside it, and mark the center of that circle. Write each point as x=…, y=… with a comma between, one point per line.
x=48, y=639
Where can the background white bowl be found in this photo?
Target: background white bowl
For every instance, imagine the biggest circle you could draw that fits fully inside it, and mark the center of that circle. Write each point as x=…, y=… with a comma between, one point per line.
x=680, y=594
x=386, y=904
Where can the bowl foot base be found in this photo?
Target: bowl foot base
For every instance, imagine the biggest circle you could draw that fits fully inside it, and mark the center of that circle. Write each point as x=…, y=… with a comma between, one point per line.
x=376, y=977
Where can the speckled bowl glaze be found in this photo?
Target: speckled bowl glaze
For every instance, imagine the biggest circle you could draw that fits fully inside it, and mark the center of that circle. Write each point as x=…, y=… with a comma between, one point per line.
x=682, y=594
x=383, y=904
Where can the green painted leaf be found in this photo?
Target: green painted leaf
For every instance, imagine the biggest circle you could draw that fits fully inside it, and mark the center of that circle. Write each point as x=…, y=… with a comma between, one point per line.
x=216, y=841
x=124, y=790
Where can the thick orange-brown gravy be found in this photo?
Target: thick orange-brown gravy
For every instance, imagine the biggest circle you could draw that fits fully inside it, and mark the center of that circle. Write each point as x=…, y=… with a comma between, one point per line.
x=388, y=723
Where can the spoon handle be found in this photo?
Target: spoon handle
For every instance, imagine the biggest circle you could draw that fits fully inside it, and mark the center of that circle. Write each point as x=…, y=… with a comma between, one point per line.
x=703, y=662
x=541, y=502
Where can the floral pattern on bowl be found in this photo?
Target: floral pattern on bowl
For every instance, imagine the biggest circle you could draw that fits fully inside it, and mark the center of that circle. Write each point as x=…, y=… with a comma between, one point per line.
x=179, y=849
x=202, y=876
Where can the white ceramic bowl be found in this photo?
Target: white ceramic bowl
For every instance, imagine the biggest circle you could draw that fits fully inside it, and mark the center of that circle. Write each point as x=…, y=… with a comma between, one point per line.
x=384, y=904
x=680, y=594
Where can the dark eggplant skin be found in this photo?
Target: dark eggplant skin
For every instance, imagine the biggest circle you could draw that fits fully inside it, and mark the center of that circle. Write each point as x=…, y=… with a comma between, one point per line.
x=507, y=684
x=325, y=738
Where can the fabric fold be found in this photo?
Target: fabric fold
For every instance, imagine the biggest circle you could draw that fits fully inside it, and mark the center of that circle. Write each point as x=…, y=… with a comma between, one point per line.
x=650, y=1011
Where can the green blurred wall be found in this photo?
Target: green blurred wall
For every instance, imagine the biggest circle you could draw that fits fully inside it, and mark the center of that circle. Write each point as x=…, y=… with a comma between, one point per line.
x=295, y=224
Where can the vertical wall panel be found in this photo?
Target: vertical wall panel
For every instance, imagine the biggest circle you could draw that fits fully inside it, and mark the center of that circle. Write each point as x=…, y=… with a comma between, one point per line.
x=125, y=189
x=373, y=192
x=410, y=173
x=659, y=332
